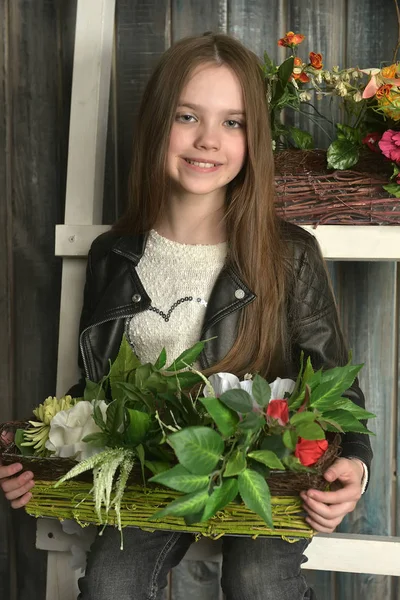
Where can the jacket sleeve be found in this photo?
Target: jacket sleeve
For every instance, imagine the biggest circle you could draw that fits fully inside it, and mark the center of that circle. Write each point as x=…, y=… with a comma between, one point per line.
x=316, y=331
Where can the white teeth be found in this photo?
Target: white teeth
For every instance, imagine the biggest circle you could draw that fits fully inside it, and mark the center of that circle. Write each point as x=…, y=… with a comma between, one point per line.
x=200, y=164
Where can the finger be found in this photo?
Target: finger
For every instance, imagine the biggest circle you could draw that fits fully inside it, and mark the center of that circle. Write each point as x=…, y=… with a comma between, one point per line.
x=327, y=523
x=20, y=491
x=9, y=470
x=319, y=527
x=14, y=483
x=21, y=501
x=328, y=511
x=350, y=493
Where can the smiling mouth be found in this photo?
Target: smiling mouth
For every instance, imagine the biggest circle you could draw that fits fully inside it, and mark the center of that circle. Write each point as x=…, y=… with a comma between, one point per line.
x=202, y=165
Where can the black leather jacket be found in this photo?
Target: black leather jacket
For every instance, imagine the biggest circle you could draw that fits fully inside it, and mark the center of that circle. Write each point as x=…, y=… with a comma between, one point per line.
x=114, y=292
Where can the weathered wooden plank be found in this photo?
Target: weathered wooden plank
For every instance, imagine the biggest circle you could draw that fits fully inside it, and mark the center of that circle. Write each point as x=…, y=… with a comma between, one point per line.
x=142, y=34
x=370, y=315
x=190, y=17
x=323, y=24
x=258, y=24
x=367, y=301
x=6, y=347
x=36, y=196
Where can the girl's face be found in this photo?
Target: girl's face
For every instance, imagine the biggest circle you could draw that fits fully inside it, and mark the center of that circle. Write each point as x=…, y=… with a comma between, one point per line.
x=207, y=145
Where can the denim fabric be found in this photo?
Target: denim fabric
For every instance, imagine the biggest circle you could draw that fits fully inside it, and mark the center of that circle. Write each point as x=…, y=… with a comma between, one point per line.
x=261, y=569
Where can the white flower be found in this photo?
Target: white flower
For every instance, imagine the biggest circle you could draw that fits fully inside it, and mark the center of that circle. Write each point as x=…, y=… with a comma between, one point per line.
x=341, y=89
x=305, y=96
x=69, y=427
x=280, y=387
x=223, y=382
x=318, y=77
x=357, y=97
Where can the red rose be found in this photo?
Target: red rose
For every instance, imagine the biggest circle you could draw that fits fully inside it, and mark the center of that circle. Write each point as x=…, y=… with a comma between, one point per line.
x=279, y=410
x=309, y=451
x=371, y=140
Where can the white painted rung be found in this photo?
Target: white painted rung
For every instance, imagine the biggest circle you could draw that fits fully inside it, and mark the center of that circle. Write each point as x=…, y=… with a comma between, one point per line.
x=338, y=242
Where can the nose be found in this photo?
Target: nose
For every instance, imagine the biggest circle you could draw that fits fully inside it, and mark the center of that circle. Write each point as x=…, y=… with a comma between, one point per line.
x=207, y=137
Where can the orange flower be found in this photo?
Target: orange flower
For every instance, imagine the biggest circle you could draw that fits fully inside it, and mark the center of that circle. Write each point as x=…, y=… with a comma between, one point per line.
x=389, y=72
x=298, y=71
x=316, y=60
x=384, y=91
x=291, y=39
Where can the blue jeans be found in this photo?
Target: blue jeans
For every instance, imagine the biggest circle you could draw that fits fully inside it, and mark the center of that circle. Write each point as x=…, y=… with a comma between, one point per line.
x=261, y=569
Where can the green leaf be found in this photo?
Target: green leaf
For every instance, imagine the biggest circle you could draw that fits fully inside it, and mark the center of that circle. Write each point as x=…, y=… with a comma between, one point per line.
x=267, y=61
x=268, y=458
x=276, y=445
x=93, y=391
x=185, y=505
x=285, y=70
x=220, y=497
x=343, y=154
x=236, y=464
x=261, y=391
x=156, y=466
x=252, y=422
x=302, y=417
x=393, y=189
x=98, y=416
x=302, y=139
x=115, y=416
x=125, y=362
x=197, y=448
x=310, y=431
x=187, y=357
x=344, y=404
x=255, y=494
x=19, y=439
x=187, y=379
x=237, y=400
x=225, y=419
x=140, y=454
x=98, y=440
x=156, y=383
x=290, y=439
x=347, y=421
x=353, y=134
x=142, y=374
x=161, y=360
x=139, y=424
x=293, y=464
x=334, y=387
x=180, y=479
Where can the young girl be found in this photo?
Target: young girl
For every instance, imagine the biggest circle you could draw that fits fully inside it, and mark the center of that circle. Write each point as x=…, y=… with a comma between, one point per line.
x=201, y=254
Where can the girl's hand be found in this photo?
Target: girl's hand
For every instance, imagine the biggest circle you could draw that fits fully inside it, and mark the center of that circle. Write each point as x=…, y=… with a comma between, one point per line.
x=16, y=489
x=326, y=510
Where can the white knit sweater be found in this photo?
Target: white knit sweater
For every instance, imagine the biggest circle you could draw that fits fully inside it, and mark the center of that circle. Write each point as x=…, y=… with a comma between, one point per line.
x=178, y=279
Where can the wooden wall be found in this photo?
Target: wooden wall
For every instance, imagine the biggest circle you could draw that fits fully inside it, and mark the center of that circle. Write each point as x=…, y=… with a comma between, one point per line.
x=36, y=47
x=36, y=44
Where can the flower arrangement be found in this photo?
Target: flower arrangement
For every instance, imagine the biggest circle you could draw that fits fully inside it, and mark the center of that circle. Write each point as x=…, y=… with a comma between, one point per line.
x=207, y=444
x=369, y=102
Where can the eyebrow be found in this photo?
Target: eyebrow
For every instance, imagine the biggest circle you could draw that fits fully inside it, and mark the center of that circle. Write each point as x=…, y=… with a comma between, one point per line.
x=230, y=111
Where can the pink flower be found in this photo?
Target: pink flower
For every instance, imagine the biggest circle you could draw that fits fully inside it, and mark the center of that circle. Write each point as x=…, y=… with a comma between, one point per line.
x=390, y=144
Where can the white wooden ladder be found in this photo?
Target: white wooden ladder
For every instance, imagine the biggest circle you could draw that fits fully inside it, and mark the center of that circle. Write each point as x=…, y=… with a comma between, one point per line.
x=83, y=217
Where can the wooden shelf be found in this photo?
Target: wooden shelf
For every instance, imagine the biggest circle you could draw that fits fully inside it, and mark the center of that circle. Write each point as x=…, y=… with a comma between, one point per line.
x=338, y=242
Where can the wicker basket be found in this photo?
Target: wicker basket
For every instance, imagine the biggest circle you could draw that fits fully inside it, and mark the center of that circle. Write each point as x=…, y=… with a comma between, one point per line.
x=73, y=500
x=308, y=193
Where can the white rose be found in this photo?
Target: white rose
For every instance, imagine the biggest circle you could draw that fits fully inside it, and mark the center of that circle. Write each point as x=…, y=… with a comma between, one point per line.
x=280, y=387
x=69, y=427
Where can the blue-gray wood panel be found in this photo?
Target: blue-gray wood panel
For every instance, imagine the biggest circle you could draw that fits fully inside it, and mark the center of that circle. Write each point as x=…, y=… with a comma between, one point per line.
x=34, y=100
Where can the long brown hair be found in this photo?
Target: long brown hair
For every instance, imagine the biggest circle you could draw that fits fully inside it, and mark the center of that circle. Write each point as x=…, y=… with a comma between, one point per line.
x=256, y=246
